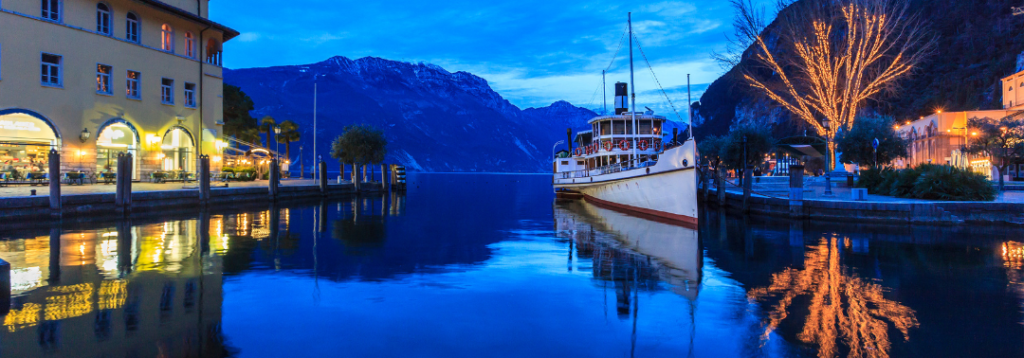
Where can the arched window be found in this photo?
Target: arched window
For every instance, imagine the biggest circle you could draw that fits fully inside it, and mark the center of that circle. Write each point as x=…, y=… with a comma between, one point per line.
x=103, y=18
x=167, y=38
x=190, y=45
x=132, y=28
x=213, y=52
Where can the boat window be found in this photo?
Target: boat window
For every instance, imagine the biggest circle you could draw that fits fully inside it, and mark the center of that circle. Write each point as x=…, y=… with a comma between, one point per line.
x=606, y=129
x=657, y=127
x=618, y=127
x=645, y=127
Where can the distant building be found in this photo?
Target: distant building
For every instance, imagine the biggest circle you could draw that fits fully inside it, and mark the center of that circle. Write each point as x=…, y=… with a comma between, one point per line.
x=92, y=79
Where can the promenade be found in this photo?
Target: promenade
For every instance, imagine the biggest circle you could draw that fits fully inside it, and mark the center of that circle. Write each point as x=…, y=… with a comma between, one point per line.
x=770, y=196
x=24, y=190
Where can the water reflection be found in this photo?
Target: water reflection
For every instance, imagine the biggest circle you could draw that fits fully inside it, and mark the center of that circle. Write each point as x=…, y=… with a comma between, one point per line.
x=839, y=309
x=629, y=250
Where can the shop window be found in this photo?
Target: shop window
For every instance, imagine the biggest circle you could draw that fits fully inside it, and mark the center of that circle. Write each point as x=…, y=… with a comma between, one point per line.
x=51, y=10
x=167, y=91
x=190, y=95
x=103, y=79
x=167, y=38
x=51, y=70
x=116, y=138
x=103, y=19
x=190, y=45
x=133, y=84
x=177, y=151
x=132, y=28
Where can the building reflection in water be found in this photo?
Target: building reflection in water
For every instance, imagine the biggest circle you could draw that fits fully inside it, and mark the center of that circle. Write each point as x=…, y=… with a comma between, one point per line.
x=1013, y=261
x=843, y=314
x=150, y=289
x=632, y=253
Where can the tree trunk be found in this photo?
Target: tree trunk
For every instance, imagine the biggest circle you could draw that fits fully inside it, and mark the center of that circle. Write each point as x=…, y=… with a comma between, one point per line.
x=1001, y=170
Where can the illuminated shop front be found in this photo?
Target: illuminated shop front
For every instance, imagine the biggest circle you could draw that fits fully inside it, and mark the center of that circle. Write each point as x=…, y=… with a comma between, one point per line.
x=116, y=138
x=177, y=151
x=25, y=141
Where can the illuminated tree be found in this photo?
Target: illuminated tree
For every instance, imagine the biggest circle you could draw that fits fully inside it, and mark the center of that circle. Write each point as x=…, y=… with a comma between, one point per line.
x=1002, y=140
x=824, y=59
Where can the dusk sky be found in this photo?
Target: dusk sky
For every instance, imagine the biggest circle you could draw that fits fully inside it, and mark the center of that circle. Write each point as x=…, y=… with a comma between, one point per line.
x=533, y=52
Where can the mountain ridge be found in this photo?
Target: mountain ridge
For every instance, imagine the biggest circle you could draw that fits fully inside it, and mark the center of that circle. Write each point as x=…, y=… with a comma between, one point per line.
x=435, y=120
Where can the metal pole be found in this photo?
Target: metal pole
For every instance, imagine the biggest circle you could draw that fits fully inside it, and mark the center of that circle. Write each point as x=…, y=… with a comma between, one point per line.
x=604, y=92
x=689, y=100
x=632, y=85
x=314, y=125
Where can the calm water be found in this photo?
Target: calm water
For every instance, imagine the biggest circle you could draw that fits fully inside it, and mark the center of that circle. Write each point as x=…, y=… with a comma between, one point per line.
x=492, y=265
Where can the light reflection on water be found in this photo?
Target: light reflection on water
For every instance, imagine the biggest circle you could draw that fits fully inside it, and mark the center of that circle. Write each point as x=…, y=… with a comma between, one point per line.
x=488, y=265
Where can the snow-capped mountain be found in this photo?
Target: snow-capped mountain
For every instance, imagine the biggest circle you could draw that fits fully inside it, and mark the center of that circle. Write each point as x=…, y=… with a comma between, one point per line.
x=434, y=120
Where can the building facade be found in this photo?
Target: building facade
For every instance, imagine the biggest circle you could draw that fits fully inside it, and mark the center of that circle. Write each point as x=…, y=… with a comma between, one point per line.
x=93, y=79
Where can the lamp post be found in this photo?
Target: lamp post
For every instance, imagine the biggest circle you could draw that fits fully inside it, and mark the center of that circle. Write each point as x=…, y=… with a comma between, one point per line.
x=828, y=167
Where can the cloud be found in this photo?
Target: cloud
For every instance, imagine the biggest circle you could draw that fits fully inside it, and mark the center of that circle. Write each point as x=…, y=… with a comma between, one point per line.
x=248, y=37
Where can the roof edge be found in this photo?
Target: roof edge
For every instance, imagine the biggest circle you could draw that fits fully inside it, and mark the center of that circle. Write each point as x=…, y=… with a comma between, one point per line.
x=229, y=33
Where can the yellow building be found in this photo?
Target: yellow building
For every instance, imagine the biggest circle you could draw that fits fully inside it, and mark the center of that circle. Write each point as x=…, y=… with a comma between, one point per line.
x=96, y=78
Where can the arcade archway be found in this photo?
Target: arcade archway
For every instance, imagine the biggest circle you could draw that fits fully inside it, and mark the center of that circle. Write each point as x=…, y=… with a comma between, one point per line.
x=26, y=138
x=178, y=151
x=116, y=136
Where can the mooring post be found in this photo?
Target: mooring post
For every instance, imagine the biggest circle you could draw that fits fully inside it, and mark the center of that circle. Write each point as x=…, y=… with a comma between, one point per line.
x=383, y=178
x=5, y=287
x=355, y=176
x=204, y=179
x=274, y=173
x=322, y=211
x=129, y=160
x=705, y=180
x=748, y=181
x=55, y=204
x=322, y=167
x=118, y=183
x=796, y=191
x=720, y=183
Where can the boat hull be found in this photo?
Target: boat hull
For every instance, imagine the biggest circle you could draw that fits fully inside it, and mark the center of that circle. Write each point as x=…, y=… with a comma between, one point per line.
x=667, y=190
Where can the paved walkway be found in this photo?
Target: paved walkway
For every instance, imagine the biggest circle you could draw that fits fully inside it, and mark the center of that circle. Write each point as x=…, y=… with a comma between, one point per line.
x=815, y=190
x=23, y=190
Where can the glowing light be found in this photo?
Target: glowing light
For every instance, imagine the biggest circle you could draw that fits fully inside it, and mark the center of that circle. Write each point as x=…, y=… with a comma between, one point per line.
x=68, y=302
x=974, y=133
x=216, y=159
x=27, y=316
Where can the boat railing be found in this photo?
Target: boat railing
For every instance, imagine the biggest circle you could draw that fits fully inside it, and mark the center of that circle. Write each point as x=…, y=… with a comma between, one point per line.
x=608, y=169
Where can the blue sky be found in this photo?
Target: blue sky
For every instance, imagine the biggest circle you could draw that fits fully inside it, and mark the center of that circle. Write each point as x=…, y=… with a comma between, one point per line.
x=533, y=52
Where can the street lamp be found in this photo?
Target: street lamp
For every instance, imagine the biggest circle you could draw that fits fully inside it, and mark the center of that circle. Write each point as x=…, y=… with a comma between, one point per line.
x=277, y=144
x=828, y=168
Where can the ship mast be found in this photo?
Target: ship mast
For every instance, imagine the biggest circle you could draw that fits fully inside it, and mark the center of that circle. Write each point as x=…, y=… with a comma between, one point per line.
x=632, y=85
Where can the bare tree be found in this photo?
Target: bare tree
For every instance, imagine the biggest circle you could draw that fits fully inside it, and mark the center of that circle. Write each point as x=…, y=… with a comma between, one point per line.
x=825, y=58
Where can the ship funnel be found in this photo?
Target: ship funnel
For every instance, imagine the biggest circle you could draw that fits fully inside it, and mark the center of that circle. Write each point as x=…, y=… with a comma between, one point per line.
x=621, y=98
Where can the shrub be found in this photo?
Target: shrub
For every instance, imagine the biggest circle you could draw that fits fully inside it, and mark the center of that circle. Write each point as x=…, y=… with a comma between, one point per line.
x=928, y=181
x=954, y=184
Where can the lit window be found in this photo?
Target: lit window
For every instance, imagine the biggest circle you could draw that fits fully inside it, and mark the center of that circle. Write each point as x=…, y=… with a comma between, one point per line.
x=51, y=10
x=167, y=38
x=51, y=67
x=190, y=45
x=103, y=79
x=167, y=91
x=133, y=84
x=190, y=95
x=132, y=28
x=103, y=18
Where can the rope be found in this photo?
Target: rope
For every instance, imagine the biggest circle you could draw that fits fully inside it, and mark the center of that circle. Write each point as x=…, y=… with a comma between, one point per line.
x=616, y=56
x=656, y=79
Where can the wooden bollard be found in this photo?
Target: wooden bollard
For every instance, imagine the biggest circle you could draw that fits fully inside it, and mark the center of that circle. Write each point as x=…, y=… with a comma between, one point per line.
x=322, y=167
x=748, y=182
x=5, y=287
x=55, y=204
x=274, y=173
x=796, y=191
x=355, y=176
x=383, y=178
x=204, y=179
x=129, y=163
x=322, y=225
x=118, y=182
x=720, y=183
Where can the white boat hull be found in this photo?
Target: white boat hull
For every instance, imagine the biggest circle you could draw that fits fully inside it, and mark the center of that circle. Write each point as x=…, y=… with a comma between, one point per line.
x=667, y=190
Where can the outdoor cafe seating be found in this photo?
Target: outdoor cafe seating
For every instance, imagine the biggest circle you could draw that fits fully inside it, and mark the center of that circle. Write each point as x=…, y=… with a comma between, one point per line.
x=171, y=176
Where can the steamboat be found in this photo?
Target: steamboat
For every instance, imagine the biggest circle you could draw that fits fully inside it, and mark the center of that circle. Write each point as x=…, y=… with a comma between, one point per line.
x=626, y=162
